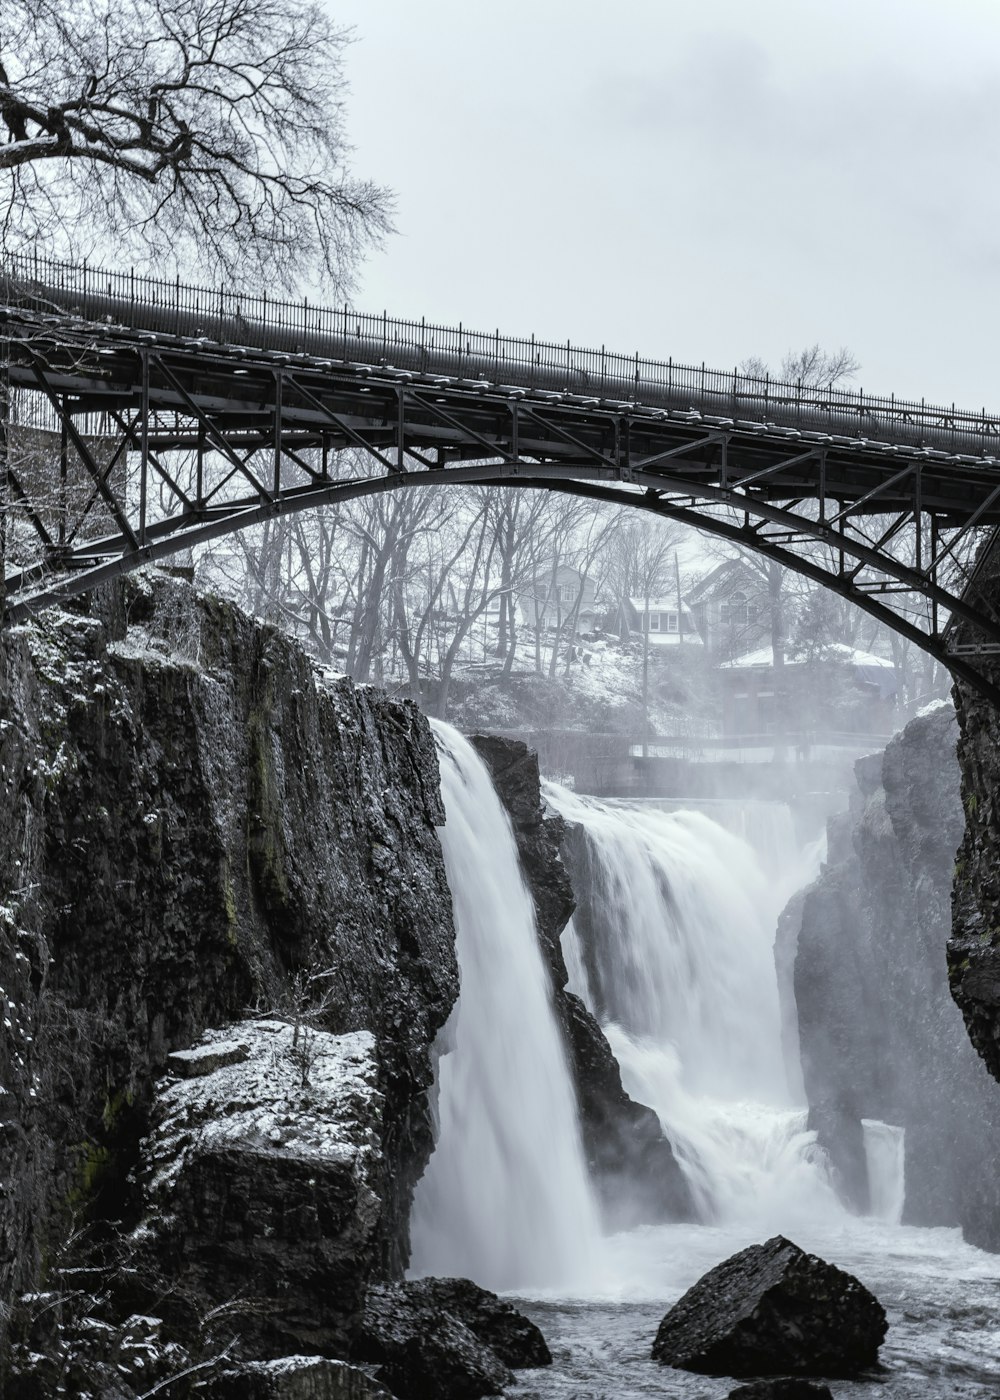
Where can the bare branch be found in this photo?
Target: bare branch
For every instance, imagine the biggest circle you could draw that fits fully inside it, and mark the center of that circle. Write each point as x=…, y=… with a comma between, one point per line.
x=197, y=133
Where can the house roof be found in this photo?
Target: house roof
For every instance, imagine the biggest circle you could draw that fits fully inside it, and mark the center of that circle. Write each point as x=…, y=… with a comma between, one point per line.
x=839, y=651
x=875, y=670
x=659, y=605
x=731, y=571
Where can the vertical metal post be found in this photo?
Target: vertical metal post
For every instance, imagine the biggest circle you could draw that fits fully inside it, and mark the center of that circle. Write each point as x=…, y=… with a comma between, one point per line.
x=934, y=571
x=200, y=482
x=515, y=449
x=278, y=382
x=918, y=517
x=144, y=448
x=400, y=434
x=63, y=474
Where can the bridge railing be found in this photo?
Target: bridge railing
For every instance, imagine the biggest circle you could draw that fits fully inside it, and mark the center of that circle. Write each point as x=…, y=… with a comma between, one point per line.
x=46, y=286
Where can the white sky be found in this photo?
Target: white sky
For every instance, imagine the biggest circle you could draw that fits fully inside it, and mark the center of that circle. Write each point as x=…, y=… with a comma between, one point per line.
x=706, y=179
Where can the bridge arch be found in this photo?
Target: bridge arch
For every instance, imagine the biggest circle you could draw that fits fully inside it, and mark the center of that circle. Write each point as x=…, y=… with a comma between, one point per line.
x=898, y=495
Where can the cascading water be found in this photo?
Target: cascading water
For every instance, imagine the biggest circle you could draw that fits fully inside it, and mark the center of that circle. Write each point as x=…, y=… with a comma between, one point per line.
x=672, y=947
x=506, y=1198
x=886, y=1176
x=673, y=950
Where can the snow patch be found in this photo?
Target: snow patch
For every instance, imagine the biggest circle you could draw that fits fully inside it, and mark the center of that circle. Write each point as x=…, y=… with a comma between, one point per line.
x=294, y=1090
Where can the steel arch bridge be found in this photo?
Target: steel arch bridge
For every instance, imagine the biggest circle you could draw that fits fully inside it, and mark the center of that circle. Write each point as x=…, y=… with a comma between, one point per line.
x=108, y=377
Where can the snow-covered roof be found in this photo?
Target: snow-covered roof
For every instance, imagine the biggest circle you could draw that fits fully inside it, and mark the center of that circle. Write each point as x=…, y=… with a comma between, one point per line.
x=839, y=651
x=659, y=605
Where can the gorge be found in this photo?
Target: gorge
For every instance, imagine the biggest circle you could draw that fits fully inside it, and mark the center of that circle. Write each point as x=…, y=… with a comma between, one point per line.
x=210, y=851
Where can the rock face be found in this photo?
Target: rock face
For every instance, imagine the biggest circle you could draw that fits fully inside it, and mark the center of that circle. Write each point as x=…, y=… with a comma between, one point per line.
x=974, y=949
x=631, y=1162
x=192, y=822
x=262, y=1179
x=445, y=1339
x=773, y=1310
x=879, y=1033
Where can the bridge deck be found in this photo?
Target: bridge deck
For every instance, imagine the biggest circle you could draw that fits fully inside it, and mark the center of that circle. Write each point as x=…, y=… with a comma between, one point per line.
x=251, y=386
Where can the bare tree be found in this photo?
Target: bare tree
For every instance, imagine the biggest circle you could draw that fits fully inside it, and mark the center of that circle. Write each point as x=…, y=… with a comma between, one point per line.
x=209, y=133
x=812, y=367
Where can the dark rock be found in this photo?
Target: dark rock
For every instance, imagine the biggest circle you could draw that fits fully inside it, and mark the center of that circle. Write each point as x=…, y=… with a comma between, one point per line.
x=294, y=1378
x=203, y=1059
x=423, y=1351
x=262, y=1182
x=631, y=1162
x=974, y=947
x=514, y=770
x=878, y=1030
x=189, y=819
x=785, y=1388
x=497, y=1324
x=629, y=1158
x=773, y=1309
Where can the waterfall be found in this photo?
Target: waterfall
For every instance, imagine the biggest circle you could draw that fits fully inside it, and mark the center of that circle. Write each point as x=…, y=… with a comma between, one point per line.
x=885, y=1157
x=672, y=948
x=506, y=1198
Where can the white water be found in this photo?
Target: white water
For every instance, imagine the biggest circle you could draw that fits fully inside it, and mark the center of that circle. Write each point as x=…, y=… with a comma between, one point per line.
x=679, y=923
x=506, y=1198
x=885, y=1158
x=683, y=900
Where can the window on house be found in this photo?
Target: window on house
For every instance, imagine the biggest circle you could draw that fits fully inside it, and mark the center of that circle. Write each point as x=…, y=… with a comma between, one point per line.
x=671, y=622
x=653, y=621
x=735, y=611
x=567, y=592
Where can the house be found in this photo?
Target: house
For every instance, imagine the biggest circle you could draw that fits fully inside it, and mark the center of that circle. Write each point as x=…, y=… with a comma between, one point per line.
x=665, y=623
x=731, y=609
x=555, y=597
x=839, y=689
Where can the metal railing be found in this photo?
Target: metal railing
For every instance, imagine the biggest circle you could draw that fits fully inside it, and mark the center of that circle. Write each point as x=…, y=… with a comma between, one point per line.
x=47, y=287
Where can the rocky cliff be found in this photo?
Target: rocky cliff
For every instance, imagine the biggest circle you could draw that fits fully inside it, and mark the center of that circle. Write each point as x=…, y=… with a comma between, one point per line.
x=880, y=1036
x=194, y=823
x=632, y=1164
x=974, y=949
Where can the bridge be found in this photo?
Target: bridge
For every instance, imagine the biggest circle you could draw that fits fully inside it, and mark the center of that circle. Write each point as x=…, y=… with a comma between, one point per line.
x=146, y=417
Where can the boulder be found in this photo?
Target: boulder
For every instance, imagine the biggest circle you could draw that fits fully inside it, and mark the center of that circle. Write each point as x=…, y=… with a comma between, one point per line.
x=785, y=1388
x=772, y=1310
x=445, y=1339
x=498, y=1325
x=294, y=1378
x=261, y=1183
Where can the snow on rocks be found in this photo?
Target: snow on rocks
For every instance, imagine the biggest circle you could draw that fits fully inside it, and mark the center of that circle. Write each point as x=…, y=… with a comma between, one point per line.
x=309, y=1092
x=295, y=1378
x=263, y=1177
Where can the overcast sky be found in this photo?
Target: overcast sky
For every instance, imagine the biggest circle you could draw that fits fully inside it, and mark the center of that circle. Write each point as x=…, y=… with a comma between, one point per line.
x=703, y=180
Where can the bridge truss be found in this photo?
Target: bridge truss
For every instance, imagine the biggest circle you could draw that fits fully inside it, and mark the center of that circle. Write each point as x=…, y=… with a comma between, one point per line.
x=145, y=418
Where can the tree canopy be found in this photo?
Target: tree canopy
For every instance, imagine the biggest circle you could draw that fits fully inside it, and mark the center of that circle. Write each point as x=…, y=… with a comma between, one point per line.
x=199, y=134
